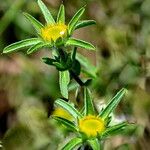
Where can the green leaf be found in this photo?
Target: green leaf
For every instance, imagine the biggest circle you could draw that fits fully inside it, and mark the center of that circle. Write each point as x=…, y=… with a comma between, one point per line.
x=76, y=67
x=36, y=24
x=61, y=14
x=68, y=107
x=21, y=44
x=84, y=23
x=112, y=104
x=74, y=53
x=66, y=122
x=94, y=143
x=47, y=15
x=36, y=47
x=88, y=104
x=75, y=19
x=48, y=61
x=59, y=67
x=79, y=43
x=72, y=144
x=116, y=129
x=64, y=79
x=90, y=69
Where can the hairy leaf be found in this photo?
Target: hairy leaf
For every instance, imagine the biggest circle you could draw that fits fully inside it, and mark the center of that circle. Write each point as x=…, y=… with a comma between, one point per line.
x=47, y=15
x=89, y=69
x=21, y=44
x=72, y=144
x=68, y=107
x=36, y=24
x=116, y=129
x=66, y=122
x=61, y=14
x=48, y=61
x=75, y=19
x=64, y=79
x=112, y=104
x=36, y=47
x=94, y=143
x=88, y=103
x=84, y=23
x=79, y=43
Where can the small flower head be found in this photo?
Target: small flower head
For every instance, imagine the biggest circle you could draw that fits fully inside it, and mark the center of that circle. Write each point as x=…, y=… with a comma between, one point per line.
x=91, y=125
x=60, y=112
x=53, y=32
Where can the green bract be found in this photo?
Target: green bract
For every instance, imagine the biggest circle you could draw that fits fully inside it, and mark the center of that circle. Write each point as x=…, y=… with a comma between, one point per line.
x=44, y=32
x=87, y=112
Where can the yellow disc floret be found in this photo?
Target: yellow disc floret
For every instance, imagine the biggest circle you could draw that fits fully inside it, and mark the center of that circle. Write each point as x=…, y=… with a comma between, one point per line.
x=53, y=32
x=91, y=125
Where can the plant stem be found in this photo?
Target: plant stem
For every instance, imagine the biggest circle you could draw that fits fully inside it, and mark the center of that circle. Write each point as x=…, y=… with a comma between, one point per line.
x=79, y=81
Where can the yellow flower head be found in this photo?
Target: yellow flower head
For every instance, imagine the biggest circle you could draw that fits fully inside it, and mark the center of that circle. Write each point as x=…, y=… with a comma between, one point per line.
x=53, y=31
x=60, y=112
x=91, y=125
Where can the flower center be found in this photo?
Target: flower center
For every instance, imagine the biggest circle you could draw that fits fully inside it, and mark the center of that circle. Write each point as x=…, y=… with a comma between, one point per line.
x=53, y=32
x=91, y=125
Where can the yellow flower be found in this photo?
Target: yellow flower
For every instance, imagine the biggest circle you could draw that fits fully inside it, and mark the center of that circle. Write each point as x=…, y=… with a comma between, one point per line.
x=60, y=112
x=91, y=125
x=53, y=31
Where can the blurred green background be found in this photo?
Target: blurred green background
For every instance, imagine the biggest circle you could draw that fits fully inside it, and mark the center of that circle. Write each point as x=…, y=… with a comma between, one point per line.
x=28, y=87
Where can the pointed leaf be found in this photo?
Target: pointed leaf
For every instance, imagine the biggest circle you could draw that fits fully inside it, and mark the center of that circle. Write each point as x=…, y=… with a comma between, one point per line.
x=21, y=44
x=66, y=122
x=90, y=69
x=36, y=47
x=112, y=104
x=61, y=14
x=116, y=129
x=84, y=23
x=75, y=20
x=64, y=79
x=74, y=53
x=48, y=61
x=36, y=24
x=94, y=143
x=68, y=107
x=47, y=15
x=79, y=43
x=88, y=103
x=72, y=144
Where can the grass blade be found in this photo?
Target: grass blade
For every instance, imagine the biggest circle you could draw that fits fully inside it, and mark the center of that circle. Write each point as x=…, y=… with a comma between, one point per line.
x=21, y=44
x=61, y=14
x=79, y=43
x=35, y=23
x=47, y=15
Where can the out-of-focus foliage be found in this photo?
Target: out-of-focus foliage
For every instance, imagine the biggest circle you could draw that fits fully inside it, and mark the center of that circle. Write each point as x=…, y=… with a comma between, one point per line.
x=28, y=87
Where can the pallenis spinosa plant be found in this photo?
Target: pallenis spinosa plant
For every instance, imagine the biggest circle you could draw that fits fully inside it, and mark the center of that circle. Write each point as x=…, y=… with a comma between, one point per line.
x=90, y=127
